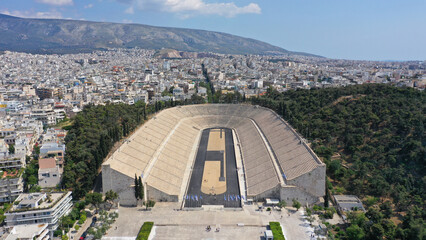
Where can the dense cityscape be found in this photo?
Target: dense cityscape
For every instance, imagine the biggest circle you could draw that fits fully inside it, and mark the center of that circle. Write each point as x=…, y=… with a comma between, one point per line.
x=41, y=93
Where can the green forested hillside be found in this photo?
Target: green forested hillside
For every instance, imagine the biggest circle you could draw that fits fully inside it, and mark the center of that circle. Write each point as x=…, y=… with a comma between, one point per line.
x=372, y=139
x=93, y=133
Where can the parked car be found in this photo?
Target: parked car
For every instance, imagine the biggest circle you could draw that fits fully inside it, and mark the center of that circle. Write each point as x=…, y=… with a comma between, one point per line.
x=83, y=236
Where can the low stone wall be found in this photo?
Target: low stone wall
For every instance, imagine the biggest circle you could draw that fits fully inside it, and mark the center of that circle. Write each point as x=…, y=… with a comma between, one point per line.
x=288, y=193
x=271, y=193
x=159, y=196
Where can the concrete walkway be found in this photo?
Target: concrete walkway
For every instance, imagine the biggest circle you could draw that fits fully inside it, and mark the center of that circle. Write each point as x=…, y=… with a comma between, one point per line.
x=174, y=224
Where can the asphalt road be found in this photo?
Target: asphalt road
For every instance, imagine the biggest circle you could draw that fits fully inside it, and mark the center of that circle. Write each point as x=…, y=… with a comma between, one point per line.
x=229, y=199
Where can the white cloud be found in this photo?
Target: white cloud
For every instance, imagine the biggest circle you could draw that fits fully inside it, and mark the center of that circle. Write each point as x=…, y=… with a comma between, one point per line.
x=126, y=21
x=56, y=2
x=130, y=10
x=32, y=14
x=88, y=6
x=188, y=8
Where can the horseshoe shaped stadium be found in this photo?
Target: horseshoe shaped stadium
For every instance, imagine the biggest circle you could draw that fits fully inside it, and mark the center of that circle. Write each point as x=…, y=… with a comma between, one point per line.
x=215, y=154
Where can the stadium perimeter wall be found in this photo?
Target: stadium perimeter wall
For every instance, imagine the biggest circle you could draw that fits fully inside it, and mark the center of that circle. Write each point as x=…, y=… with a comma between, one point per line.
x=159, y=196
x=288, y=193
x=119, y=183
x=312, y=182
x=270, y=193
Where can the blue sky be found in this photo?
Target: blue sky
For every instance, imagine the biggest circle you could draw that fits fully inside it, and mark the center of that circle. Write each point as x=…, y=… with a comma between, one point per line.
x=347, y=29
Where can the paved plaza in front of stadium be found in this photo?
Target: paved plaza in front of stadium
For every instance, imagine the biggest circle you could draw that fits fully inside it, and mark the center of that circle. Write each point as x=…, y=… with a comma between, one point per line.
x=173, y=224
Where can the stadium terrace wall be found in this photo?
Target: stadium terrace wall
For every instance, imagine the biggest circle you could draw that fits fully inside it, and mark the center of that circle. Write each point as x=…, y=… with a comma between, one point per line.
x=277, y=162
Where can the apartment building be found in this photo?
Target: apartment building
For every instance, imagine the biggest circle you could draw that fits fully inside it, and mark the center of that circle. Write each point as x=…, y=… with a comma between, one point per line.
x=11, y=185
x=28, y=232
x=40, y=208
x=53, y=150
x=46, y=115
x=11, y=170
x=49, y=174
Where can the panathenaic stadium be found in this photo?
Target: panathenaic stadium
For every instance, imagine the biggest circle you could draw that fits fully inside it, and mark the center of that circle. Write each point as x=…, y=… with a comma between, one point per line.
x=215, y=154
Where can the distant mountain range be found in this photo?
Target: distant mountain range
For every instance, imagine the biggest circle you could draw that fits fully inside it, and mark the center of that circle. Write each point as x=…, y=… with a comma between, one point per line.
x=72, y=36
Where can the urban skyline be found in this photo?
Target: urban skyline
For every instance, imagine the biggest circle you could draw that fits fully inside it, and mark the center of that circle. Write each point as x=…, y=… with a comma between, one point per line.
x=129, y=119
x=361, y=30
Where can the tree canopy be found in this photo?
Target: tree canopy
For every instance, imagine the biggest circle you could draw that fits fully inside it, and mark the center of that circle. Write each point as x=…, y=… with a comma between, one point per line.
x=372, y=139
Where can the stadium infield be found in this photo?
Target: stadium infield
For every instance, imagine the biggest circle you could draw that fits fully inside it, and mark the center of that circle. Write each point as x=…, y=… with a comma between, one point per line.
x=214, y=179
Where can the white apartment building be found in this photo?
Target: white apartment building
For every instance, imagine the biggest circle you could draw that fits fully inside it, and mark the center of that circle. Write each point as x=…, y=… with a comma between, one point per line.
x=11, y=182
x=29, y=232
x=10, y=186
x=40, y=208
x=46, y=115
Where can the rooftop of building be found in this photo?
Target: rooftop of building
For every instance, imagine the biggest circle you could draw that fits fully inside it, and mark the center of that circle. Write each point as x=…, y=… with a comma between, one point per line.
x=15, y=173
x=349, y=202
x=347, y=199
x=37, y=201
x=45, y=163
x=27, y=231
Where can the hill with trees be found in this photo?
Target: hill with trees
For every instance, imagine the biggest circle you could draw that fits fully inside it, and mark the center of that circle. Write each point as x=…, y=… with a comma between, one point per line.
x=372, y=139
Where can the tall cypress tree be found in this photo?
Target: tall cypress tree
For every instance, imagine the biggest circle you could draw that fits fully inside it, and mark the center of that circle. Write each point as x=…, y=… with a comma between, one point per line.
x=141, y=190
x=137, y=188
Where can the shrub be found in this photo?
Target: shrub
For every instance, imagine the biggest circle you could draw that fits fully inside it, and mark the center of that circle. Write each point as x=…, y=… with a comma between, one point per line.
x=282, y=204
x=328, y=214
x=145, y=231
x=150, y=204
x=57, y=233
x=83, y=216
x=308, y=211
x=371, y=201
x=91, y=231
x=317, y=208
x=296, y=204
x=276, y=230
x=98, y=235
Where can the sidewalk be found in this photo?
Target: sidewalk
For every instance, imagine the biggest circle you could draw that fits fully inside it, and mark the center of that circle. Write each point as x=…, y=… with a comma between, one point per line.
x=82, y=229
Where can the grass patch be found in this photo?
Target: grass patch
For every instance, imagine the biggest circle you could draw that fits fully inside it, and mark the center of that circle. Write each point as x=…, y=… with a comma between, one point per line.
x=276, y=230
x=145, y=231
x=64, y=124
